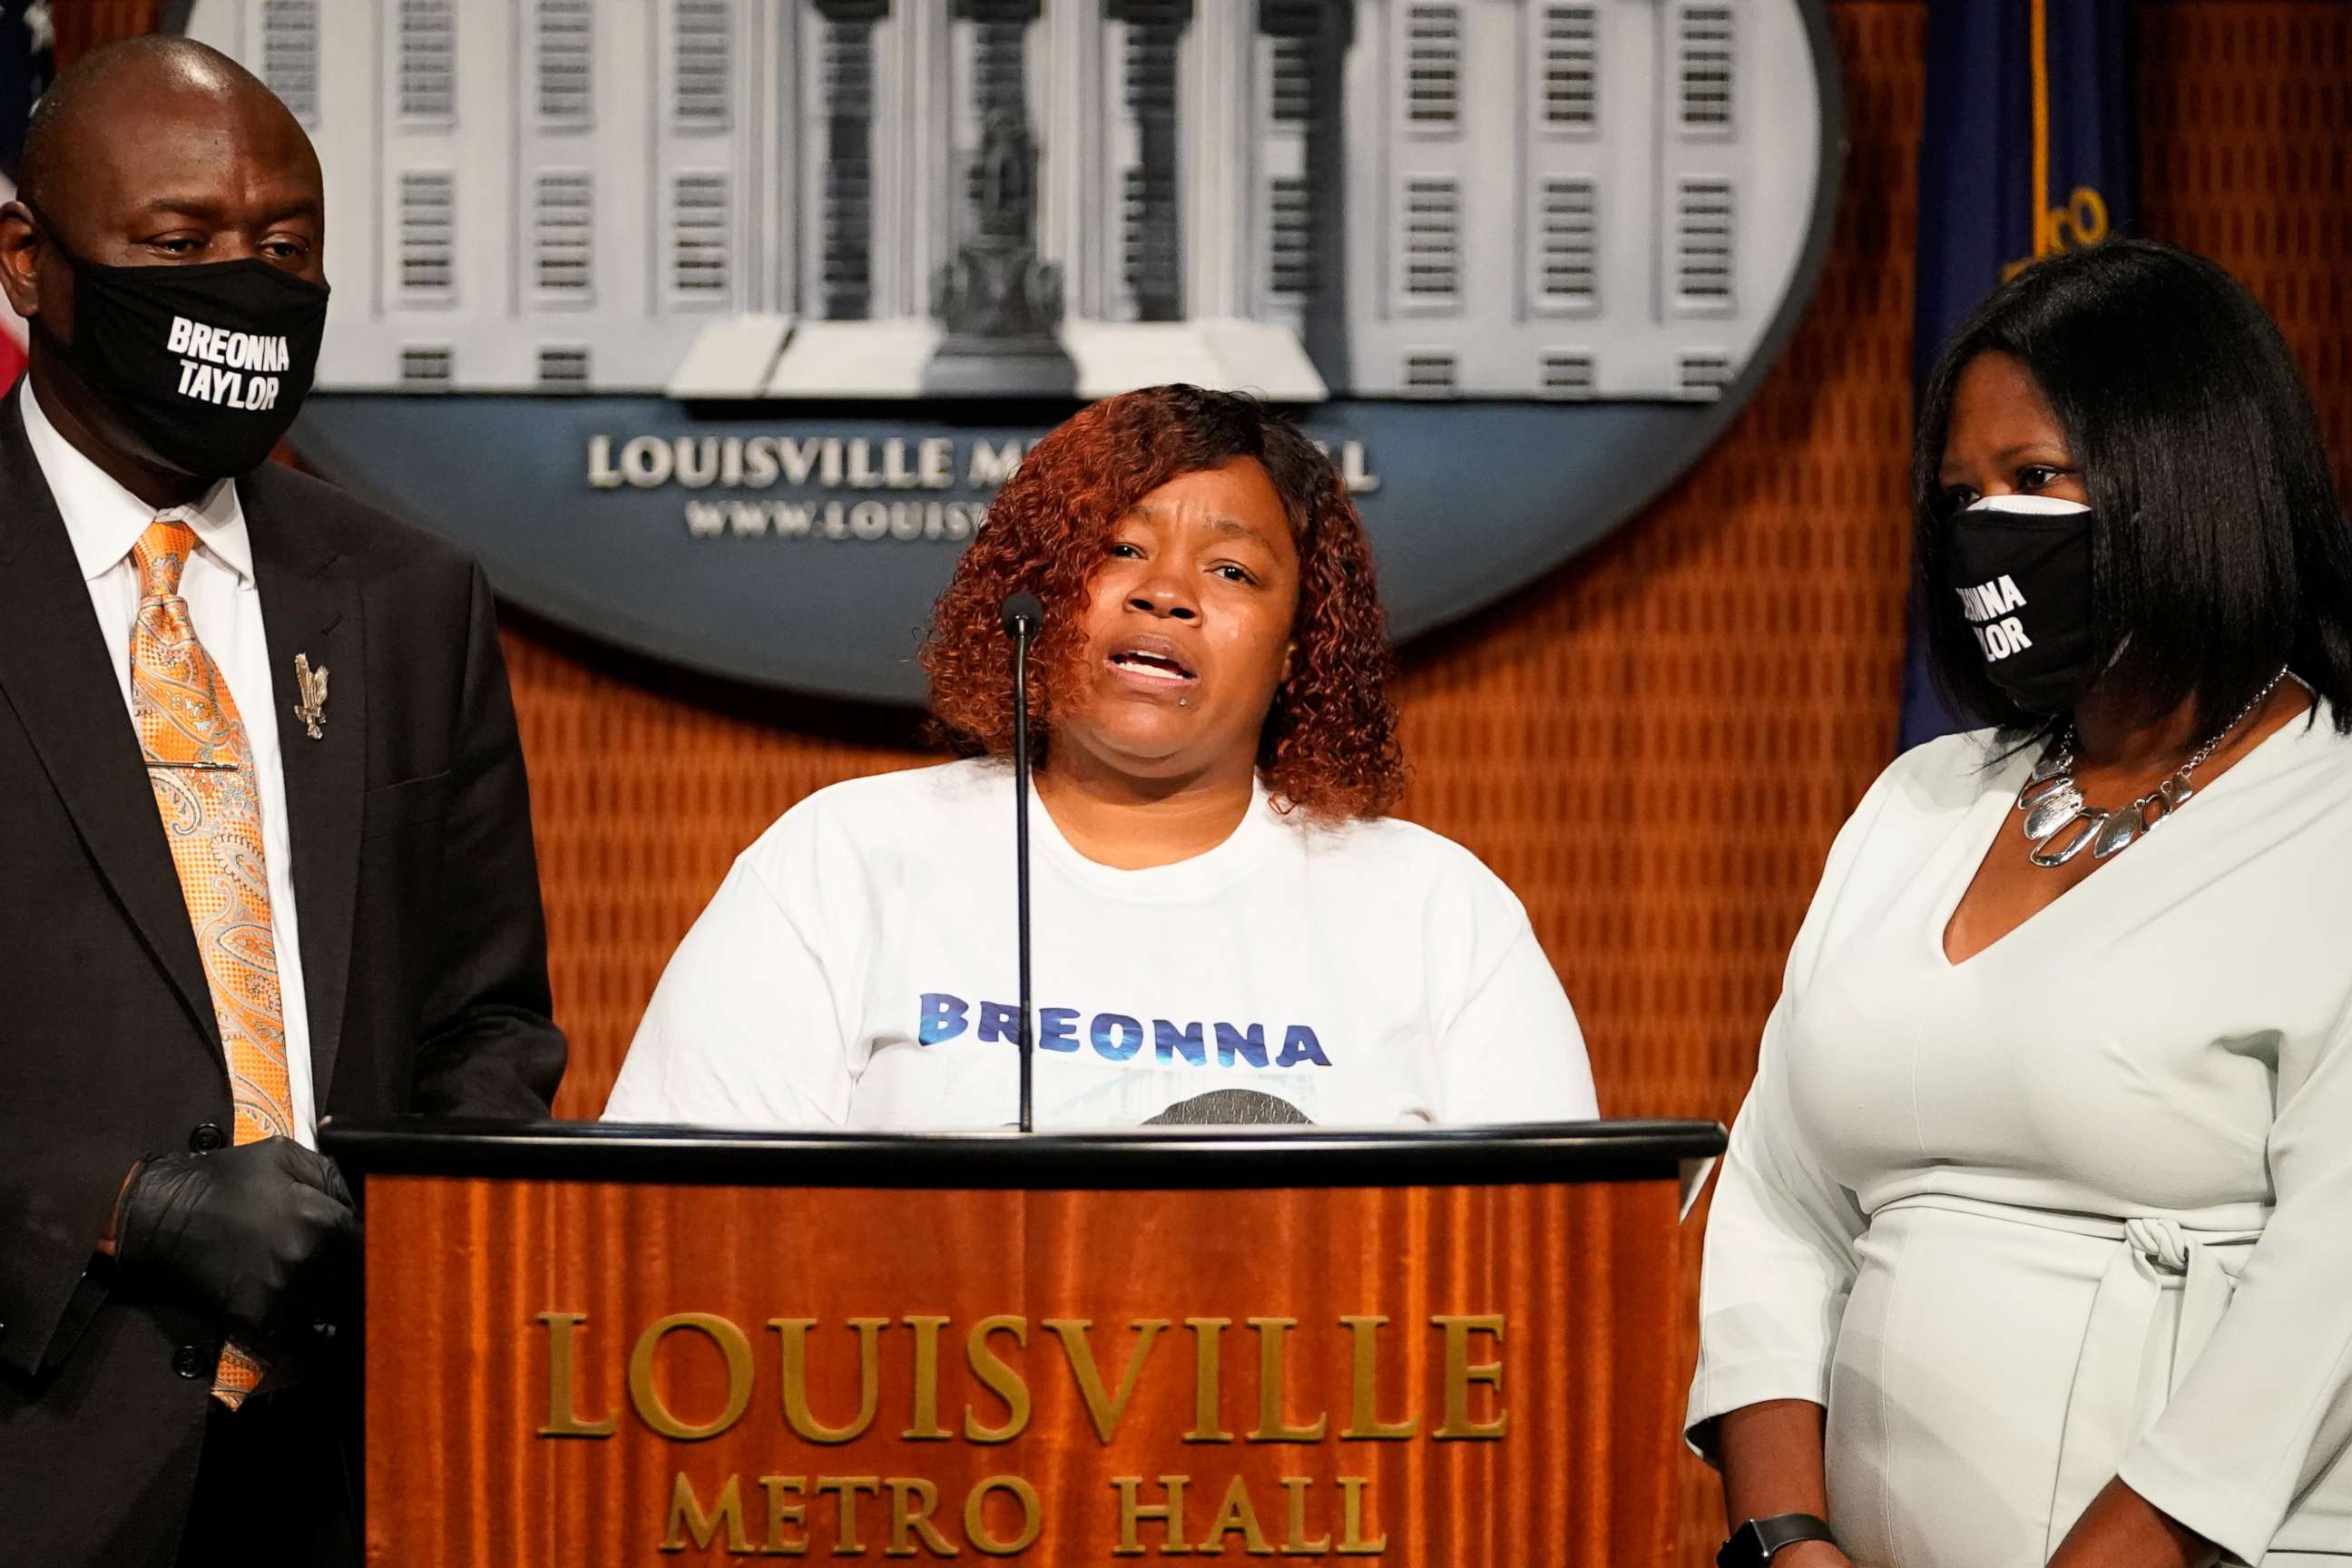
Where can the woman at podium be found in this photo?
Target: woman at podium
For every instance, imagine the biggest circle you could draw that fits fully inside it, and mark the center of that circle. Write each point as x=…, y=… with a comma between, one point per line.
x=2034, y=1240
x=1228, y=927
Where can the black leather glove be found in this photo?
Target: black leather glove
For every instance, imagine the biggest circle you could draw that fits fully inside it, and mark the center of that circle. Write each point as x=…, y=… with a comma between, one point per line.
x=261, y=1238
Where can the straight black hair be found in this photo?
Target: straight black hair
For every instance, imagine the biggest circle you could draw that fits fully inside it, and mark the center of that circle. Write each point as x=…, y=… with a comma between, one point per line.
x=2219, y=549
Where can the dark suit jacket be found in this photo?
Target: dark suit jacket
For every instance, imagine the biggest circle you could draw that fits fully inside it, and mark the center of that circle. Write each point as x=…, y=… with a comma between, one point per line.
x=423, y=956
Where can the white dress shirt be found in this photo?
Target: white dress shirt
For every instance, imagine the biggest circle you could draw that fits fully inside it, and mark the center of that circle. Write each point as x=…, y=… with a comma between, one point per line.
x=104, y=520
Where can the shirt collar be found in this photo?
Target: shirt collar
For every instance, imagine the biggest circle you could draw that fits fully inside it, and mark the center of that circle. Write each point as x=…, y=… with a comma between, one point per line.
x=104, y=520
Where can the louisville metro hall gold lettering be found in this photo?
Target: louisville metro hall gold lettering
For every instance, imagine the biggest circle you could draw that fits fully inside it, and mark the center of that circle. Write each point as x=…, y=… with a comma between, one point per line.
x=999, y=1515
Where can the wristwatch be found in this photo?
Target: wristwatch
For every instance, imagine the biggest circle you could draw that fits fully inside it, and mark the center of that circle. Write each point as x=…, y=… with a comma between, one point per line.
x=1753, y=1544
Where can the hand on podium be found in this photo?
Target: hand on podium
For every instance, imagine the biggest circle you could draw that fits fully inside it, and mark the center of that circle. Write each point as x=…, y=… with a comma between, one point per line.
x=262, y=1237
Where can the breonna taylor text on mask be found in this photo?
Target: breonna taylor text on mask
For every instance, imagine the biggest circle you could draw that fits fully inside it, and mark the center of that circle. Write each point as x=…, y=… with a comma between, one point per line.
x=1988, y=606
x=233, y=369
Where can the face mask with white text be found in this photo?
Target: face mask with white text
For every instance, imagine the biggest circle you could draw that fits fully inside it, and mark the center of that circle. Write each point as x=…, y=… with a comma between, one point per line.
x=206, y=364
x=2021, y=567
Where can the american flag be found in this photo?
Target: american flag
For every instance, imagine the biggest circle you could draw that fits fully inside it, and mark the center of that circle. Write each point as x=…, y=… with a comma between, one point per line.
x=27, y=61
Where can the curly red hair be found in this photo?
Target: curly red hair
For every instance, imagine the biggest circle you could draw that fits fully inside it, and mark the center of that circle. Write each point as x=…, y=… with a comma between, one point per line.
x=1329, y=745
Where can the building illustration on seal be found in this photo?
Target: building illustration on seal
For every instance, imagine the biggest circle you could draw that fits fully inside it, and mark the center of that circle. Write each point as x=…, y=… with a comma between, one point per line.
x=885, y=199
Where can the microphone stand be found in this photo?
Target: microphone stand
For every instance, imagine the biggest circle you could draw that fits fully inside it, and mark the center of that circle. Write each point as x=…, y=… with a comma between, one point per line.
x=1021, y=854
x=1023, y=615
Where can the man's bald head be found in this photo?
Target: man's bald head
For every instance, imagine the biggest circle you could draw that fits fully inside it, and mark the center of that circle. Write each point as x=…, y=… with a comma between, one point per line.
x=146, y=82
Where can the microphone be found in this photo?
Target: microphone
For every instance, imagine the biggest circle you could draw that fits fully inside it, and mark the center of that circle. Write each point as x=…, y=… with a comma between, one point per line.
x=1024, y=614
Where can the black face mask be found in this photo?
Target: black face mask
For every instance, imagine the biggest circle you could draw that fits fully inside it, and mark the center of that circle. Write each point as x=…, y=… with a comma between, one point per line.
x=206, y=364
x=2022, y=568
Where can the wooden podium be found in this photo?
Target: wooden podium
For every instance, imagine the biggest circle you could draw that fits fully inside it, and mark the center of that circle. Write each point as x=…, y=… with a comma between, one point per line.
x=591, y=1346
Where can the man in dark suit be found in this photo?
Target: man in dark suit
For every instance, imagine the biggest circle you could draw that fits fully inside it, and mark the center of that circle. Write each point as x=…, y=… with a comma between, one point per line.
x=267, y=849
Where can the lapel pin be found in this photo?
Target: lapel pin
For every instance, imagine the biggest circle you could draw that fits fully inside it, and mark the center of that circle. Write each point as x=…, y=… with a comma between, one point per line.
x=311, y=684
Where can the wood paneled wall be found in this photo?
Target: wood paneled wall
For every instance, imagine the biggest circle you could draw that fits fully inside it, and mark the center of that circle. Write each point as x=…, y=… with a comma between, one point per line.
x=81, y=24
x=1654, y=745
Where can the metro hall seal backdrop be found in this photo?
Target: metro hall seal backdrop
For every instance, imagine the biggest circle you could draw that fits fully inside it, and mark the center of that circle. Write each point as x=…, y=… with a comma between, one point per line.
x=713, y=325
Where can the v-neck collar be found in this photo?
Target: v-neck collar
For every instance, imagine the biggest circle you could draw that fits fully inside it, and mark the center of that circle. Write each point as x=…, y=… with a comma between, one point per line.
x=1976, y=836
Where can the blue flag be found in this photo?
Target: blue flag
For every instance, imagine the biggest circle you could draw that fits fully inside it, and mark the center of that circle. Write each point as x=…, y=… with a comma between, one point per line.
x=2026, y=152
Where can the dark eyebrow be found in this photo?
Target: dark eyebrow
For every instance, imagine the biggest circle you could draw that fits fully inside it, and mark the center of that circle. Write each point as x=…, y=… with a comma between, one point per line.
x=301, y=207
x=210, y=212
x=1225, y=527
x=2006, y=453
x=190, y=207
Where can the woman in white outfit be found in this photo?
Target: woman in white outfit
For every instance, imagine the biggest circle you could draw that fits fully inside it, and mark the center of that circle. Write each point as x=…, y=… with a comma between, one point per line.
x=2034, y=1240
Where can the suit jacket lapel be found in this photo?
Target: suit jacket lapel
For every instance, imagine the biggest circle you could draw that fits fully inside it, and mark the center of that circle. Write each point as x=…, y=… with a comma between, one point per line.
x=310, y=606
x=58, y=673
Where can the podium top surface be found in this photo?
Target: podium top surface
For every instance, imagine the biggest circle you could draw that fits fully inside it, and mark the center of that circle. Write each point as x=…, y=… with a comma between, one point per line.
x=1173, y=1158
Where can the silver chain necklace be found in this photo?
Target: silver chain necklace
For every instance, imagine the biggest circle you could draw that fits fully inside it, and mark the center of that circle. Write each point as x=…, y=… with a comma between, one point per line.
x=2055, y=810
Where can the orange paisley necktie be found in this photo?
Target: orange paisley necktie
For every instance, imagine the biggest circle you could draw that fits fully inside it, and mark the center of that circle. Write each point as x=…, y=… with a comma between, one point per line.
x=201, y=768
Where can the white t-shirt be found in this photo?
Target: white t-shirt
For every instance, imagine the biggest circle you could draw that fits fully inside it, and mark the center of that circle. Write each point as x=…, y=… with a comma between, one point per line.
x=858, y=968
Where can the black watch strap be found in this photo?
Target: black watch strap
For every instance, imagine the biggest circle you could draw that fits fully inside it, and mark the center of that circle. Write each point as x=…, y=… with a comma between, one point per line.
x=1752, y=1545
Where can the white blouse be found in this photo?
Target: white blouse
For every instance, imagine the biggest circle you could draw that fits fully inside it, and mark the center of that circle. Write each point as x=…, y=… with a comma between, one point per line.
x=2078, y=1207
